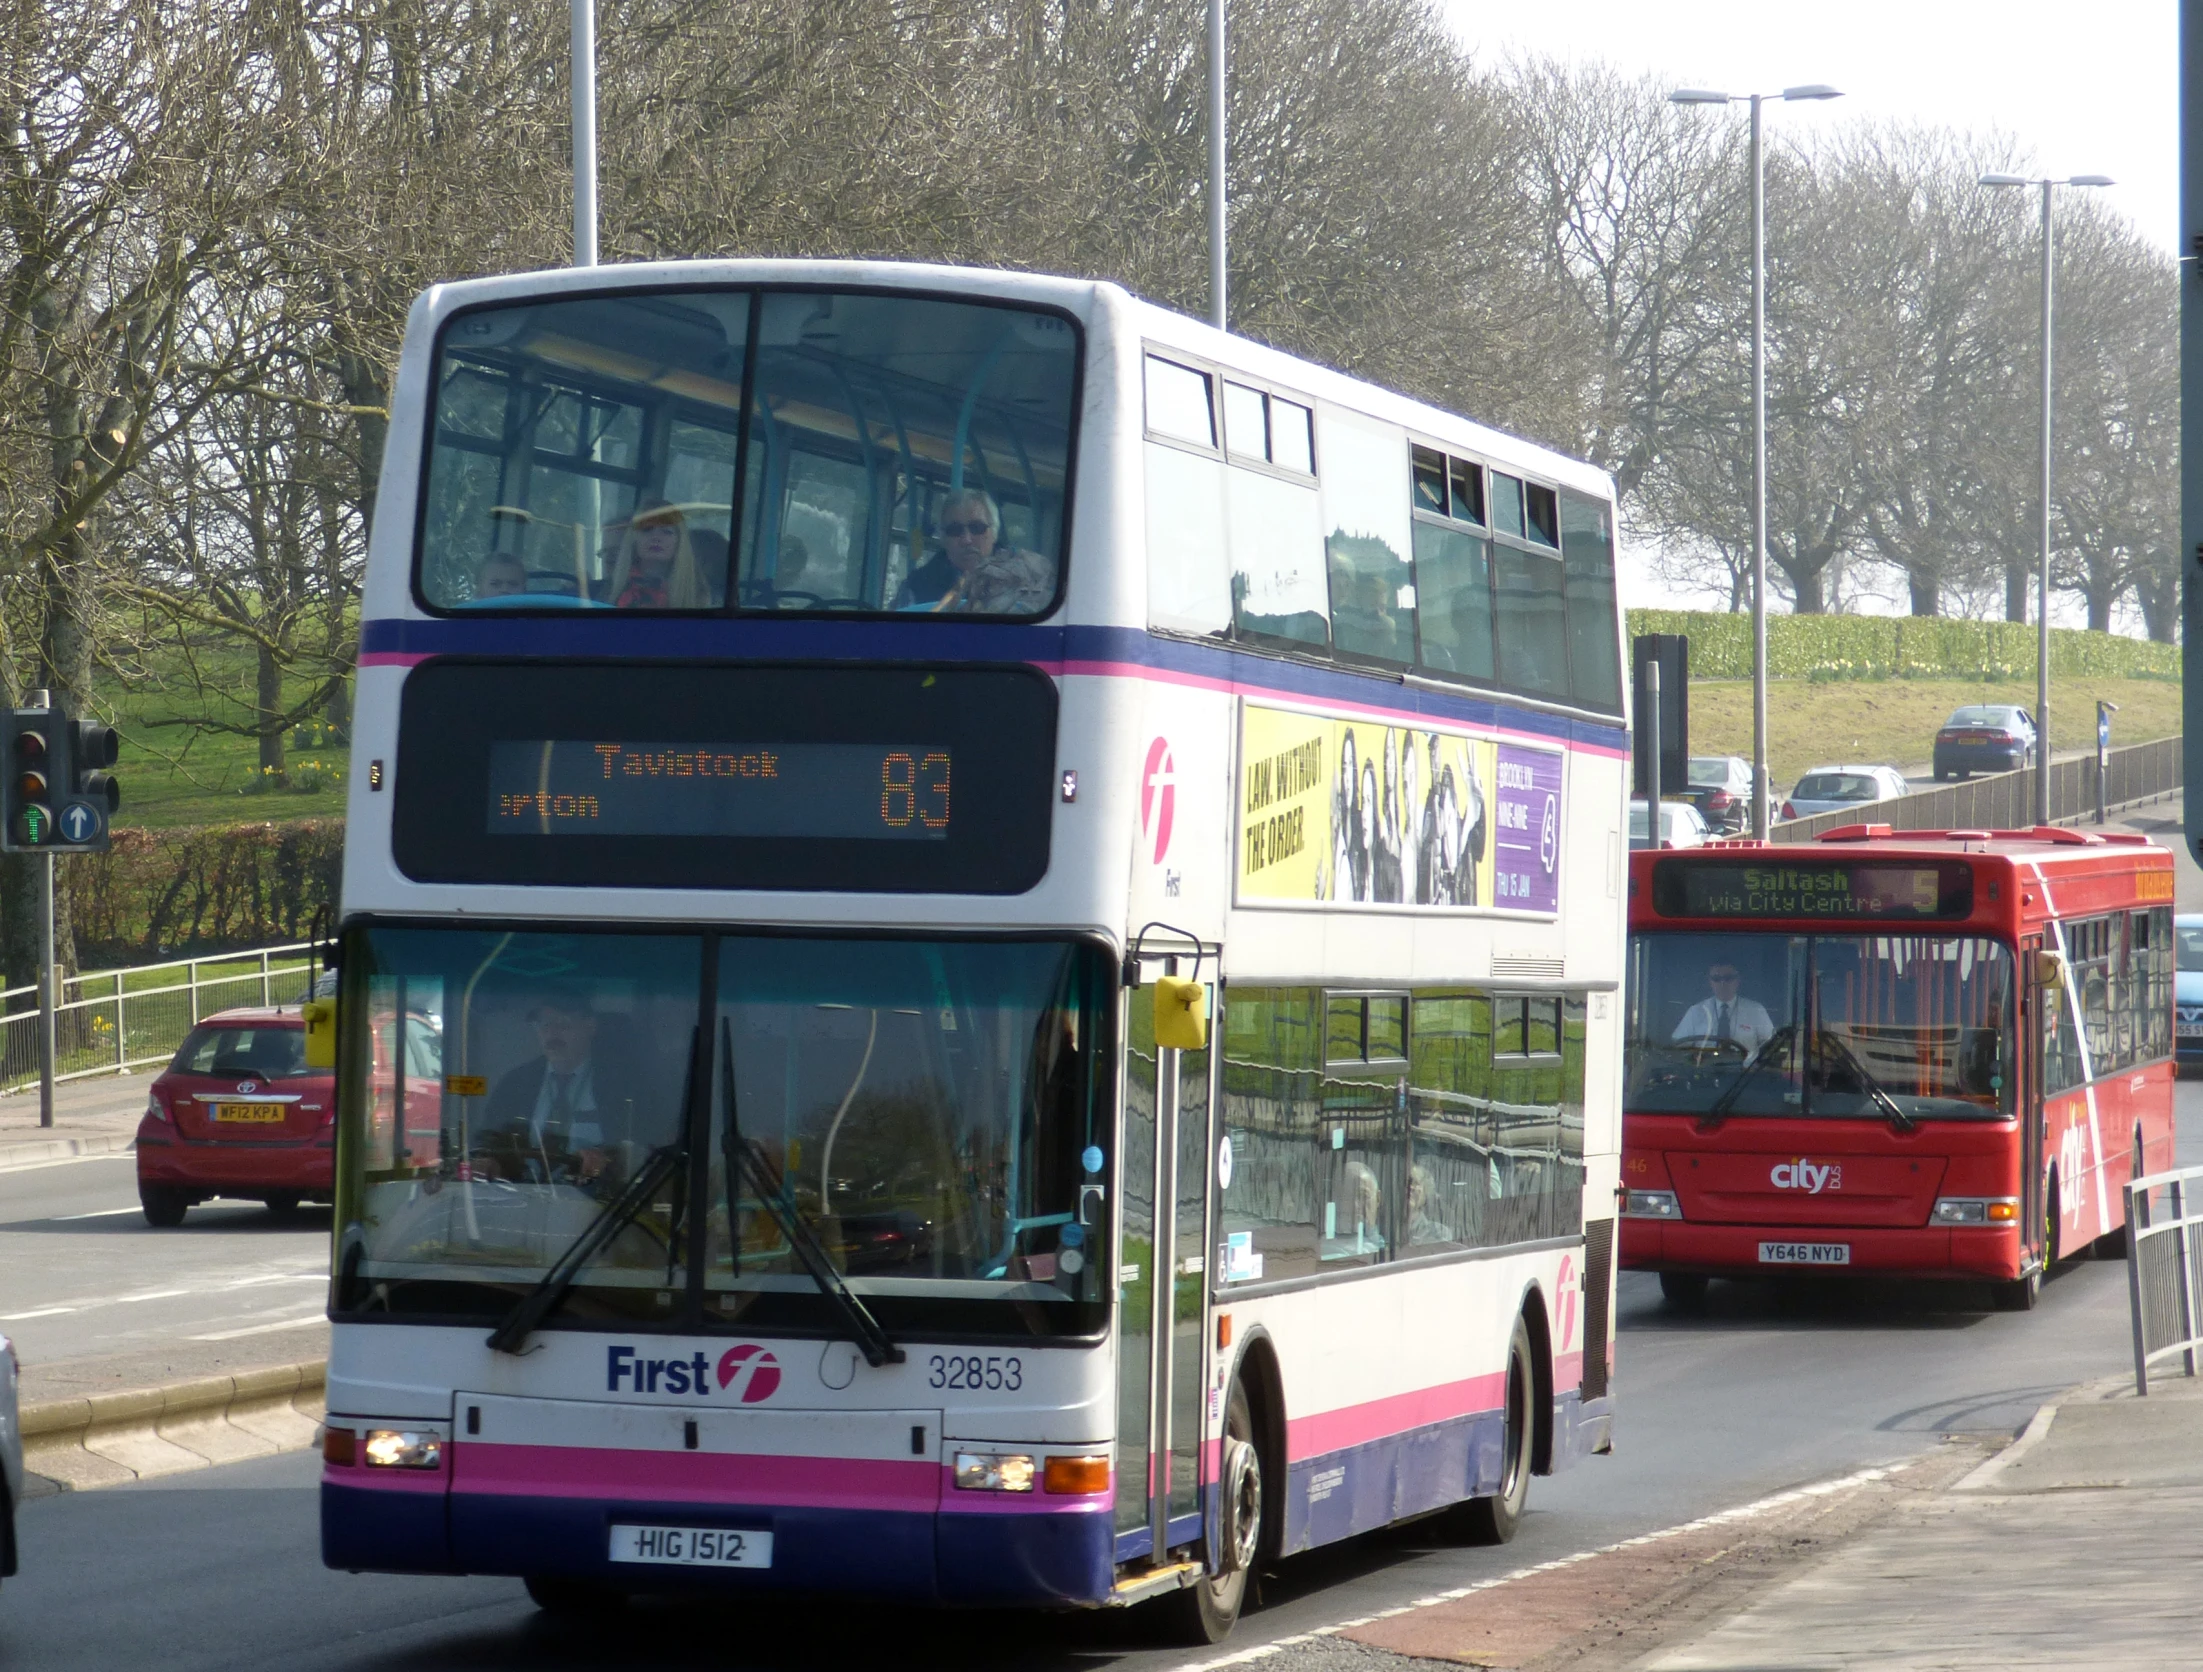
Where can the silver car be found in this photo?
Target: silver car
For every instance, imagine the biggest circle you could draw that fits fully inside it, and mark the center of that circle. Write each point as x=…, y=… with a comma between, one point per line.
x=11, y=1457
x=1836, y=789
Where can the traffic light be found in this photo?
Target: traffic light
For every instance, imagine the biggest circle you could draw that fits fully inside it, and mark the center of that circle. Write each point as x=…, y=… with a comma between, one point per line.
x=59, y=795
x=28, y=802
x=92, y=749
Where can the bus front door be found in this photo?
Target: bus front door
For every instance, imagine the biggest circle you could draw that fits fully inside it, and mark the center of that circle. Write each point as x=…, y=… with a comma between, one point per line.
x=2039, y=1016
x=1161, y=1285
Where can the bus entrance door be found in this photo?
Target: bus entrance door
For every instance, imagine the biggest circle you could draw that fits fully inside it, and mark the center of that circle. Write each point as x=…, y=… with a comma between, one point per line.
x=2041, y=1013
x=1161, y=1342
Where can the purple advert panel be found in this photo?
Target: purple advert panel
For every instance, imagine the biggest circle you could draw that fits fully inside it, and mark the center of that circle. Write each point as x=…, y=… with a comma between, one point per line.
x=1526, y=851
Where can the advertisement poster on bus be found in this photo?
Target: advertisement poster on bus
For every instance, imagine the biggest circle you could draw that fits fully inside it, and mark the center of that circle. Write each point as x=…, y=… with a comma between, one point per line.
x=1357, y=812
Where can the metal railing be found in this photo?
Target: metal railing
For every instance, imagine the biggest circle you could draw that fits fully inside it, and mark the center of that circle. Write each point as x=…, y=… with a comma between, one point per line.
x=112, y=1021
x=2006, y=800
x=2165, y=1268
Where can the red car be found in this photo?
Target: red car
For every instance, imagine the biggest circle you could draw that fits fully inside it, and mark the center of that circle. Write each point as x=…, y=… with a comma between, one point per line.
x=238, y=1113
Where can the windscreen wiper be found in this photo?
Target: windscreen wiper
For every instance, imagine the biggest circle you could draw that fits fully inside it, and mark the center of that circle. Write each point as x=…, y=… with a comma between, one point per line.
x=617, y=1214
x=1874, y=1088
x=1718, y=1111
x=750, y=1162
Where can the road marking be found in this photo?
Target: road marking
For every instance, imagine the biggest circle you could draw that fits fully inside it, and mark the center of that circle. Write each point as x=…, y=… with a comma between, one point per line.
x=88, y=1303
x=1722, y=1518
x=102, y=1213
x=314, y=1317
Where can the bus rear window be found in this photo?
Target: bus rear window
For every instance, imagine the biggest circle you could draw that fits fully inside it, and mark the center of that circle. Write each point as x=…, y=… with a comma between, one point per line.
x=735, y=450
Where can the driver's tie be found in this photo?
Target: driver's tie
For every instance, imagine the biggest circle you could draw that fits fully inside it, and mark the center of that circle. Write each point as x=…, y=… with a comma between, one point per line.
x=1721, y=1023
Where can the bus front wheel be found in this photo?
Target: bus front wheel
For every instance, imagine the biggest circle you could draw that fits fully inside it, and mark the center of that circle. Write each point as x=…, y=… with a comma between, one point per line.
x=1205, y=1611
x=574, y=1598
x=1493, y=1520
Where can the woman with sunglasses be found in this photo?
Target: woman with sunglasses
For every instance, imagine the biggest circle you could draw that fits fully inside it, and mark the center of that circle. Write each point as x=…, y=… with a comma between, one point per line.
x=969, y=574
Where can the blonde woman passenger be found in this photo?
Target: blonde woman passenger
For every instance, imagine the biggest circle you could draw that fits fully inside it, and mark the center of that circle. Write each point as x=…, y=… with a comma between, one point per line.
x=656, y=567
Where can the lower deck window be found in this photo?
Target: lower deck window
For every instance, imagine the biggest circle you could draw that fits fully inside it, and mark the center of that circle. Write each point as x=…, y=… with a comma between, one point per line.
x=1353, y=1145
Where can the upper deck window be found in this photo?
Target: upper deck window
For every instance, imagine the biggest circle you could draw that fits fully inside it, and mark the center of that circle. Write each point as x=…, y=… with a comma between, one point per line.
x=888, y=454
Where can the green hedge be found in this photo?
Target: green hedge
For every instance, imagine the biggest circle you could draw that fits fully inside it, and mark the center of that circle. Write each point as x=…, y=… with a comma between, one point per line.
x=1901, y=647
x=202, y=888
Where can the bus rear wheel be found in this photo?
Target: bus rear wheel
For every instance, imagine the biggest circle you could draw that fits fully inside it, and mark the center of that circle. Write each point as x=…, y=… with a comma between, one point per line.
x=1205, y=1611
x=1493, y=1520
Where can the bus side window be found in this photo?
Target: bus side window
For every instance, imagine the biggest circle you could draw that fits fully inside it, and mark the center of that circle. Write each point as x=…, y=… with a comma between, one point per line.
x=1587, y=558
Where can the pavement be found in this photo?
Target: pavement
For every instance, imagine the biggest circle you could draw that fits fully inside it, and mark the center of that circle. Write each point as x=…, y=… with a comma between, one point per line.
x=2077, y=1546
x=91, y=1117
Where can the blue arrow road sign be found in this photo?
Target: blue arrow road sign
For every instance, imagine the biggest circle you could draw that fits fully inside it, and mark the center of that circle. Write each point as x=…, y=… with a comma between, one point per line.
x=80, y=821
x=2103, y=730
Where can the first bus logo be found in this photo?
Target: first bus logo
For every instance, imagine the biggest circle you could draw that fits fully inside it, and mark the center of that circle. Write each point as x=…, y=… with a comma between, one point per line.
x=748, y=1372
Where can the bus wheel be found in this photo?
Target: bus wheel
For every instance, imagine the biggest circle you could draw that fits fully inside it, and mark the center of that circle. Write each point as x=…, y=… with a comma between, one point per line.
x=1206, y=1610
x=574, y=1598
x=1493, y=1520
x=282, y=1202
x=164, y=1205
x=1683, y=1290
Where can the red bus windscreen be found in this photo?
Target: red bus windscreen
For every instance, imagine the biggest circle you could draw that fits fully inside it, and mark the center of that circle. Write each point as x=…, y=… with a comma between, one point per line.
x=1899, y=1028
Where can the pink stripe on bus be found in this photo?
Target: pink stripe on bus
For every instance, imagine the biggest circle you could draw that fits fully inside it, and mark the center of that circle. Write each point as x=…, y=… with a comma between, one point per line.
x=1354, y=1425
x=918, y=1485
x=698, y=1477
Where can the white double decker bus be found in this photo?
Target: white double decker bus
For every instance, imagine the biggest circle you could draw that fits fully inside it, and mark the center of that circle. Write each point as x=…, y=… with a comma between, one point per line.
x=980, y=950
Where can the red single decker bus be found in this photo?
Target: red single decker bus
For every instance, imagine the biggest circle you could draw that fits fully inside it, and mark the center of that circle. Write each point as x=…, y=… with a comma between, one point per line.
x=1938, y=1054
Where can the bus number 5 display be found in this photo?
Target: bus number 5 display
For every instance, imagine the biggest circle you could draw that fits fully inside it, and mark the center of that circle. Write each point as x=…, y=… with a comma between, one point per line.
x=915, y=788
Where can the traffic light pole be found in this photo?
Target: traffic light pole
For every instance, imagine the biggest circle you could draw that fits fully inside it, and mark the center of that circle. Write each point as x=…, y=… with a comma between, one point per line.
x=45, y=989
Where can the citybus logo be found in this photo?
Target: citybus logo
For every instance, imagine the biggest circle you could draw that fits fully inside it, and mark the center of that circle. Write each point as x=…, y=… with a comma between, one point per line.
x=1158, y=796
x=1806, y=1176
x=749, y=1372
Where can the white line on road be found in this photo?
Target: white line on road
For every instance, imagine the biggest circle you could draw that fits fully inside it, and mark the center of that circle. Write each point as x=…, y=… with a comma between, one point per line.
x=269, y=1328
x=101, y=1213
x=227, y=1287
x=1743, y=1512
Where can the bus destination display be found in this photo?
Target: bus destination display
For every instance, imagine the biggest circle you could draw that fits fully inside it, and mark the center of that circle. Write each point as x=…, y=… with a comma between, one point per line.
x=895, y=792
x=1821, y=890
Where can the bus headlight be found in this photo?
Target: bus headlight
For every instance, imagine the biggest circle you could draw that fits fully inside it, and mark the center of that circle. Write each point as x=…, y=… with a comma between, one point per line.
x=991, y=1471
x=401, y=1448
x=1651, y=1204
x=1976, y=1210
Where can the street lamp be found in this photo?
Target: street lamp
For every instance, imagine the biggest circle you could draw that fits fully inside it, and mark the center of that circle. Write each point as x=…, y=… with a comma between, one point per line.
x=2042, y=602
x=582, y=24
x=1762, y=789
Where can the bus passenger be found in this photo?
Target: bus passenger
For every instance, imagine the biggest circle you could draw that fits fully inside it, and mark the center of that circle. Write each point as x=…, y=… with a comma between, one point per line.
x=656, y=568
x=1424, y=1226
x=500, y=575
x=970, y=575
x=1726, y=1014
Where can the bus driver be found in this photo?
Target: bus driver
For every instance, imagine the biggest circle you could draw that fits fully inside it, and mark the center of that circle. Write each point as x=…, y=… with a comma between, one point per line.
x=1725, y=1014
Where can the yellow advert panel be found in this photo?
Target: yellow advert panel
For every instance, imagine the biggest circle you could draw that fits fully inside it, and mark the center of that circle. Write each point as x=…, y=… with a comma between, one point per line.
x=1356, y=812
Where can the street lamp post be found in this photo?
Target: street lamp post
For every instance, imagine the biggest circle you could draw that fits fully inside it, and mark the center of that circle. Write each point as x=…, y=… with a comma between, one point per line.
x=583, y=23
x=2042, y=597
x=1219, y=315
x=1762, y=788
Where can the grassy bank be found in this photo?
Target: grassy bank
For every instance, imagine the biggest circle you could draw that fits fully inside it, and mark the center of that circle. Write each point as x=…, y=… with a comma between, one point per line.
x=1892, y=722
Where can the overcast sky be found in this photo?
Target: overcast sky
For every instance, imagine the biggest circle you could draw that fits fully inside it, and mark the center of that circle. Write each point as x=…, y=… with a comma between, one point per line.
x=2088, y=89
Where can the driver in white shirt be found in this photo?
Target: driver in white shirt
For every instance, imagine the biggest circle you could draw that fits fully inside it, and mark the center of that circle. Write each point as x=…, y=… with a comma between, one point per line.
x=1725, y=1014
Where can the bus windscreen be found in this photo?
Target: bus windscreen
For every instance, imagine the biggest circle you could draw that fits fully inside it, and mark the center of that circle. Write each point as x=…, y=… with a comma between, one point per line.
x=1825, y=890
x=1874, y=1026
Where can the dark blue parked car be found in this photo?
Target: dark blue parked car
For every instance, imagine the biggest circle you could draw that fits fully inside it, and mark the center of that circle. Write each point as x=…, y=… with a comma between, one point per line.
x=2187, y=992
